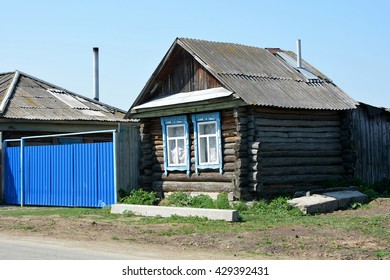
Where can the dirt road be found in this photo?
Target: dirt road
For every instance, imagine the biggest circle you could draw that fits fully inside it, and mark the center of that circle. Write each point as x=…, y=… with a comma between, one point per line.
x=116, y=240
x=38, y=248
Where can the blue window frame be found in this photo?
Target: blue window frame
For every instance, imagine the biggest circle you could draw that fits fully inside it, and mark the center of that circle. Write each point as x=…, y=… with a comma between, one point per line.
x=208, y=142
x=176, y=144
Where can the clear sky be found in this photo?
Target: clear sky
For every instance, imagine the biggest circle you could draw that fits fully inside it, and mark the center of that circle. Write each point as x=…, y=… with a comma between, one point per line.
x=349, y=41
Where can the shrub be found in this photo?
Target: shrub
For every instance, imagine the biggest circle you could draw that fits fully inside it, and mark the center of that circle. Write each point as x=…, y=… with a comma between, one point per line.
x=382, y=187
x=222, y=201
x=202, y=201
x=178, y=199
x=240, y=206
x=368, y=190
x=277, y=206
x=181, y=199
x=140, y=197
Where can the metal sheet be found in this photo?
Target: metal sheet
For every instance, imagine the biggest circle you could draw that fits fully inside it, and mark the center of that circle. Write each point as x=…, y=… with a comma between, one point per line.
x=186, y=97
x=37, y=175
x=260, y=77
x=85, y=175
x=62, y=175
x=106, y=174
x=12, y=175
x=77, y=175
x=34, y=99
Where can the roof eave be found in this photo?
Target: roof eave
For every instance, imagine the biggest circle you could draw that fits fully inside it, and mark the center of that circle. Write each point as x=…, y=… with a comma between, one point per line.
x=188, y=108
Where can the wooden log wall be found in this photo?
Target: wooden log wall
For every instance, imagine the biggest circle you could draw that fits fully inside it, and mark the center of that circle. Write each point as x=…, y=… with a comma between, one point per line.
x=152, y=162
x=371, y=138
x=299, y=149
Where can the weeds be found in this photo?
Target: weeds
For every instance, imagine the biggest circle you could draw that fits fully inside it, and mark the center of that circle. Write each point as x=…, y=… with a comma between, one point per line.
x=373, y=190
x=140, y=197
x=180, y=199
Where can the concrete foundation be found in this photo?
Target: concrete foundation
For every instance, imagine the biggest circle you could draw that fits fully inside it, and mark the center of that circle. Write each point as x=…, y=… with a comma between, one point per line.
x=164, y=211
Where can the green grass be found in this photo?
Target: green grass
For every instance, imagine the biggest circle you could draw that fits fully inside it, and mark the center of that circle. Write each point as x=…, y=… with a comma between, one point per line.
x=62, y=212
x=25, y=227
x=381, y=254
x=262, y=216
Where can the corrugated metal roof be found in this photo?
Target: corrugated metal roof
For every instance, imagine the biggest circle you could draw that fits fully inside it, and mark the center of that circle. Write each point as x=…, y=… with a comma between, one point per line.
x=5, y=81
x=260, y=77
x=186, y=97
x=34, y=99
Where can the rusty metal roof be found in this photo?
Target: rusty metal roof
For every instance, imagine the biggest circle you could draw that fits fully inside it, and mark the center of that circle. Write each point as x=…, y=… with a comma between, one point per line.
x=261, y=77
x=33, y=99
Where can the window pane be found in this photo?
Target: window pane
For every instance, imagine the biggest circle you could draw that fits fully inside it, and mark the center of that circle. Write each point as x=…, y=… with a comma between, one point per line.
x=203, y=150
x=181, y=155
x=213, y=152
x=172, y=152
x=176, y=131
x=208, y=128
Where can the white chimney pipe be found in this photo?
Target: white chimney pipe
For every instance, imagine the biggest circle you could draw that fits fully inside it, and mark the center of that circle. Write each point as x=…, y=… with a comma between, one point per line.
x=299, y=56
x=96, y=73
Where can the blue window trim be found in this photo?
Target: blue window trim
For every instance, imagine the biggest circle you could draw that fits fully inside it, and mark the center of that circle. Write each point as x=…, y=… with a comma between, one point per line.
x=199, y=118
x=175, y=120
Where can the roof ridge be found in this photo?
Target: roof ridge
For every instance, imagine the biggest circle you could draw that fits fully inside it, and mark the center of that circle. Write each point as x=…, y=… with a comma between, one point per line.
x=10, y=90
x=219, y=42
x=254, y=75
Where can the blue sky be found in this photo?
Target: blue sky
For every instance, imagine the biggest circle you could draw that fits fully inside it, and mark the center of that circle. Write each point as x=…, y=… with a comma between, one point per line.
x=349, y=41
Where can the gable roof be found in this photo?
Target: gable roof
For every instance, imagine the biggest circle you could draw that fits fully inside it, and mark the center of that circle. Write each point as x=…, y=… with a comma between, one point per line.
x=24, y=97
x=259, y=76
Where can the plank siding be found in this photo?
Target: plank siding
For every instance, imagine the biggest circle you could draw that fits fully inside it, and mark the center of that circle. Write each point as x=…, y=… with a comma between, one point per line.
x=371, y=138
x=128, y=156
x=186, y=75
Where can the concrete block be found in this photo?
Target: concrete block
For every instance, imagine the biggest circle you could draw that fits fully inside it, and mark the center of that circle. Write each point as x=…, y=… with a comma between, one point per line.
x=314, y=204
x=327, y=202
x=165, y=211
x=345, y=198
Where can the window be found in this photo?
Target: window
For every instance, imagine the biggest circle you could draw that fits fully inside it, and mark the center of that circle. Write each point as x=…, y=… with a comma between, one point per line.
x=207, y=135
x=175, y=143
x=208, y=144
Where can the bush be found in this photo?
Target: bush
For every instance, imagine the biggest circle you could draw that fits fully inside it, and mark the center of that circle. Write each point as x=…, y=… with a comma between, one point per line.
x=382, y=187
x=178, y=199
x=222, y=201
x=181, y=199
x=240, y=206
x=140, y=197
x=277, y=206
x=202, y=201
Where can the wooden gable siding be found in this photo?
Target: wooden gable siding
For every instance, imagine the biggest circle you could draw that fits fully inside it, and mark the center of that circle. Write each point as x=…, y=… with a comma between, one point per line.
x=298, y=149
x=371, y=138
x=184, y=74
x=152, y=162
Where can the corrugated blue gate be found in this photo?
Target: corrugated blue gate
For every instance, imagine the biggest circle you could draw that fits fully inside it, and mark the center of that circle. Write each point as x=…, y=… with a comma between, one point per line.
x=76, y=175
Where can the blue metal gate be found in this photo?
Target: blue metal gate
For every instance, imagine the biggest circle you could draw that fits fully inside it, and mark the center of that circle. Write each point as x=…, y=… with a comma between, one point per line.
x=75, y=175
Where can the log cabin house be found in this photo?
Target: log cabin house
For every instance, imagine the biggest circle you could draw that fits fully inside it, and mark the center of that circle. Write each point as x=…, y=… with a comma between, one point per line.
x=222, y=117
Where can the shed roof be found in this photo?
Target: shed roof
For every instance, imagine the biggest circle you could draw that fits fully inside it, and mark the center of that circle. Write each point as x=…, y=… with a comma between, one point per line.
x=24, y=97
x=260, y=76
